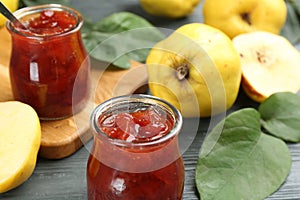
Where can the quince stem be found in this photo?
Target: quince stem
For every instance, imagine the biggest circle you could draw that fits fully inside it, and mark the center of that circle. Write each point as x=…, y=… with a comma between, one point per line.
x=182, y=71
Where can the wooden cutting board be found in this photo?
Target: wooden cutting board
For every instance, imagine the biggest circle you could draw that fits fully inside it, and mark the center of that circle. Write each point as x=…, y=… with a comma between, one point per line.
x=62, y=138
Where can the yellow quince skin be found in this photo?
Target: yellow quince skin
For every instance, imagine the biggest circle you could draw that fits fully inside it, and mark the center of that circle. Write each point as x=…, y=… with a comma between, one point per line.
x=169, y=8
x=20, y=136
x=11, y=5
x=243, y=16
x=197, y=69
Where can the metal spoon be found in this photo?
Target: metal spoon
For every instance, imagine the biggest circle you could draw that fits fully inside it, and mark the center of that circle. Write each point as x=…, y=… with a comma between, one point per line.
x=10, y=16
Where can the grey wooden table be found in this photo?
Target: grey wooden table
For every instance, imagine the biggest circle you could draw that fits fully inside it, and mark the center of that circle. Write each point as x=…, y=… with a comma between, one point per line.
x=65, y=178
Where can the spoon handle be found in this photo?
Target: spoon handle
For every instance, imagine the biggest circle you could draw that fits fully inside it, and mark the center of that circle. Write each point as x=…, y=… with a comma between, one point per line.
x=9, y=15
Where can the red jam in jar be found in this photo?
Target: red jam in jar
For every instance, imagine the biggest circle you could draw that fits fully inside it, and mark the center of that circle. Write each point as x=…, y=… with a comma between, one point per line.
x=135, y=154
x=51, y=22
x=49, y=67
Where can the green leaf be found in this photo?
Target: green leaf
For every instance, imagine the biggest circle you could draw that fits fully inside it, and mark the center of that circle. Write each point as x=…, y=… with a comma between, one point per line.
x=280, y=115
x=119, y=38
x=121, y=21
x=291, y=29
x=295, y=4
x=39, y=2
x=241, y=162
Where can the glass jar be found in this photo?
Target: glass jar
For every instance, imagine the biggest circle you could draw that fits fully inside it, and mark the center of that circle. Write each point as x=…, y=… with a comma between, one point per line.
x=48, y=60
x=131, y=159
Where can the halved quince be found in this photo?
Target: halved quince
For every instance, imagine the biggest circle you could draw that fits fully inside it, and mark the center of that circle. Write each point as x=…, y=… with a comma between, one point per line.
x=270, y=64
x=20, y=136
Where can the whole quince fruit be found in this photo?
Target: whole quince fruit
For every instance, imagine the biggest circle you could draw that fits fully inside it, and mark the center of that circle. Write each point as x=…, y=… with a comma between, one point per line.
x=236, y=17
x=169, y=8
x=197, y=69
x=11, y=5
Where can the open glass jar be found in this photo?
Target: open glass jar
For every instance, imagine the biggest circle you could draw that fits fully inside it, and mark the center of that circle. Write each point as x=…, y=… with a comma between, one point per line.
x=47, y=59
x=135, y=154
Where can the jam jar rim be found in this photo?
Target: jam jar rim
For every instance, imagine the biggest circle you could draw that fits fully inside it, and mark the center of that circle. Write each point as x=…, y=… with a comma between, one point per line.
x=37, y=9
x=176, y=116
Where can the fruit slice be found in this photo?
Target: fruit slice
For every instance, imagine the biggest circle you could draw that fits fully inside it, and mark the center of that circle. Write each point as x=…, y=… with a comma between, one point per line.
x=20, y=136
x=270, y=64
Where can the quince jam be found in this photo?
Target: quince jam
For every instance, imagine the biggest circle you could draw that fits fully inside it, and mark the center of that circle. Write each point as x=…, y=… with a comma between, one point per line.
x=134, y=169
x=51, y=22
x=138, y=126
x=49, y=67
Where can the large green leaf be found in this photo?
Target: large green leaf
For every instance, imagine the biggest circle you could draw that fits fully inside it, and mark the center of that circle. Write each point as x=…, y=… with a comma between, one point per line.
x=119, y=38
x=241, y=162
x=280, y=115
x=121, y=21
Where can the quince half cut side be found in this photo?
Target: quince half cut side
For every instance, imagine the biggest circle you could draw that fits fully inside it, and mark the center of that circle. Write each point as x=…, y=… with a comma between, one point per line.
x=270, y=64
x=20, y=136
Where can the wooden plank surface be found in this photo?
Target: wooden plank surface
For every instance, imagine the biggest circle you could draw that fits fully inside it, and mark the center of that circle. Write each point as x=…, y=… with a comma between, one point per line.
x=65, y=178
